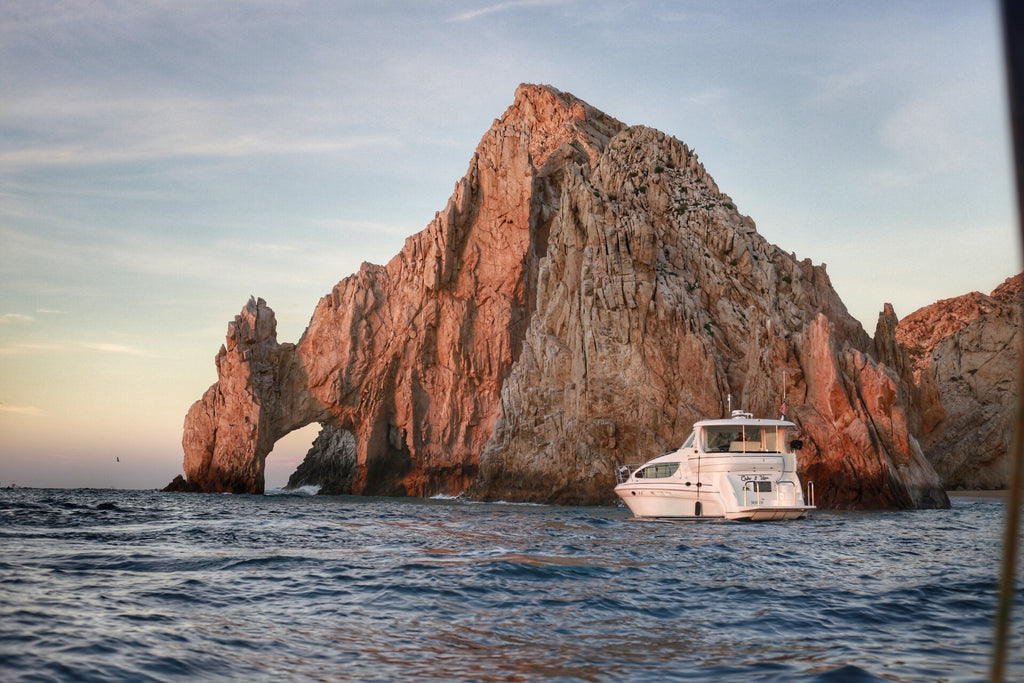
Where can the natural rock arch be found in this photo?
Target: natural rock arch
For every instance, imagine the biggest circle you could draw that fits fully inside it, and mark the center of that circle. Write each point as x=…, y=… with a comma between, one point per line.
x=586, y=294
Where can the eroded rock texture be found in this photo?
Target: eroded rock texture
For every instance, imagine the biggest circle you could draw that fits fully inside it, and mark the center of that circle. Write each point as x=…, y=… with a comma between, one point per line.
x=409, y=357
x=657, y=301
x=330, y=464
x=584, y=297
x=262, y=393
x=966, y=353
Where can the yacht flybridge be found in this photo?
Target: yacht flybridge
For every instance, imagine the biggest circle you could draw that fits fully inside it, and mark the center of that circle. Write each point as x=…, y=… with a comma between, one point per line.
x=736, y=468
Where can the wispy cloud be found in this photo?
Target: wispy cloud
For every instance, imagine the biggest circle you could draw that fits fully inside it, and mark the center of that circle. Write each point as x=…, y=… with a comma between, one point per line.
x=118, y=349
x=26, y=17
x=30, y=411
x=81, y=125
x=213, y=264
x=843, y=87
x=32, y=349
x=509, y=5
x=26, y=349
x=151, y=150
x=370, y=228
x=15, y=319
x=107, y=149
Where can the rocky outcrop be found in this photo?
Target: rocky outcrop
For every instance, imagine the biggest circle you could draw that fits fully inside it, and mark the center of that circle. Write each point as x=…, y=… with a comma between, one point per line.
x=656, y=303
x=965, y=354
x=409, y=357
x=330, y=464
x=855, y=413
x=262, y=393
x=585, y=296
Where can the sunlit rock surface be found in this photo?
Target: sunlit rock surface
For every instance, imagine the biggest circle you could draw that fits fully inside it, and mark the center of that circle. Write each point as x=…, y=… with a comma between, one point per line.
x=967, y=350
x=587, y=293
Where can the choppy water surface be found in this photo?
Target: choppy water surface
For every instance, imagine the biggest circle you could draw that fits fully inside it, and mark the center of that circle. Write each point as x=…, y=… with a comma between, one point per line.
x=133, y=585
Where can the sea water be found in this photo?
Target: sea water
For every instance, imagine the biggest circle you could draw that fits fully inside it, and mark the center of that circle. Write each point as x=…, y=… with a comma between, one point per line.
x=108, y=585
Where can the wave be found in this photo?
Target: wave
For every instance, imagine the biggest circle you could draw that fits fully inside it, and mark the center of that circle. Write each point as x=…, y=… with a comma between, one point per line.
x=310, y=490
x=146, y=585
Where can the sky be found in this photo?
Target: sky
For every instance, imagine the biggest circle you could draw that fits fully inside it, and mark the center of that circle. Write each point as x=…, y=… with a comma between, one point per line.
x=162, y=161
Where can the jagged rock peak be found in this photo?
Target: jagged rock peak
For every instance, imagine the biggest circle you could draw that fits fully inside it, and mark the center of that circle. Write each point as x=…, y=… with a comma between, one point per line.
x=584, y=296
x=923, y=330
x=555, y=118
x=1011, y=290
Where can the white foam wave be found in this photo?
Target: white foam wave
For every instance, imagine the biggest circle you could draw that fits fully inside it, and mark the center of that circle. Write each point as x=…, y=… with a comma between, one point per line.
x=310, y=490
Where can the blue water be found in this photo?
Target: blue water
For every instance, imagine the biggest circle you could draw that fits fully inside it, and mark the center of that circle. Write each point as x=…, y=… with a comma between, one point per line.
x=102, y=585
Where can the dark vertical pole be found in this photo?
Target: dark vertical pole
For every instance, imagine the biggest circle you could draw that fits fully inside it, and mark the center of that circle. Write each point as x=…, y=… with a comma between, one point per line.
x=1013, y=39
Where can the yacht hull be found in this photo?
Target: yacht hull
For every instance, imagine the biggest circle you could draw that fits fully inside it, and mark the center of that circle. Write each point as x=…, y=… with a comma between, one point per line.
x=663, y=503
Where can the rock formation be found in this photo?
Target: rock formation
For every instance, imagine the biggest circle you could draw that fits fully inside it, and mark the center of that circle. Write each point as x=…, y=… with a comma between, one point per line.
x=330, y=464
x=965, y=354
x=584, y=297
x=656, y=302
x=261, y=394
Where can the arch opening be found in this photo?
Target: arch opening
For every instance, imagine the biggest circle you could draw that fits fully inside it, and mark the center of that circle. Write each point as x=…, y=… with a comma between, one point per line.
x=328, y=463
x=287, y=454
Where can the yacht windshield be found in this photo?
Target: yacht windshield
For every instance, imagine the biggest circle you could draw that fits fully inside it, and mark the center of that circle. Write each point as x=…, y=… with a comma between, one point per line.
x=659, y=471
x=743, y=439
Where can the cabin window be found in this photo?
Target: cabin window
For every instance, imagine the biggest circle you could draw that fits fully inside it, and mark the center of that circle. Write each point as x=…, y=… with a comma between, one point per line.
x=720, y=439
x=743, y=439
x=751, y=441
x=659, y=471
x=689, y=440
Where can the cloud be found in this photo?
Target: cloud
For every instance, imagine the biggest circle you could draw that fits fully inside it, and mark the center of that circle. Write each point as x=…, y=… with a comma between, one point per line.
x=210, y=147
x=506, y=6
x=368, y=228
x=32, y=349
x=919, y=131
x=15, y=318
x=30, y=411
x=24, y=349
x=118, y=349
x=848, y=87
x=28, y=17
x=97, y=127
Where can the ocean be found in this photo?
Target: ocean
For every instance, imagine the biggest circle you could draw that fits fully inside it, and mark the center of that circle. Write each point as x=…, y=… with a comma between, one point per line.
x=112, y=585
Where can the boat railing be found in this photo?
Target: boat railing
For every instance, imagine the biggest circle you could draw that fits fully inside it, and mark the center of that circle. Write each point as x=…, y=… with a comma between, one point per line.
x=785, y=493
x=623, y=472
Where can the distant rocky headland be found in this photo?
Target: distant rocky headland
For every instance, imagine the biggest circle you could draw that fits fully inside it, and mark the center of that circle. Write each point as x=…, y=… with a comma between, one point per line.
x=587, y=294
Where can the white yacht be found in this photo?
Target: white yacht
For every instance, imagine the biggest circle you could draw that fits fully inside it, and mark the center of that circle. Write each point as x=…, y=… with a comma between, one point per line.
x=736, y=468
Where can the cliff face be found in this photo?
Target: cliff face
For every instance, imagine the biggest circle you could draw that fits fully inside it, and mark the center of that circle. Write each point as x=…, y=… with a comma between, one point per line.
x=656, y=302
x=966, y=354
x=585, y=296
x=409, y=357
